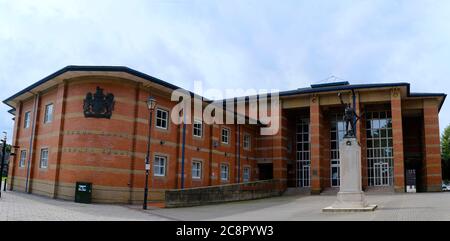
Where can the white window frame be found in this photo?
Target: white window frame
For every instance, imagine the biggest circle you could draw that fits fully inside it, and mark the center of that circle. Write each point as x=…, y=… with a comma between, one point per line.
x=197, y=169
x=163, y=120
x=43, y=160
x=228, y=130
x=248, y=174
x=247, y=143
x=197, y=126
x=23, y=158
x=48, y=113
x=27, y=120
x=222, y=172
x=157, y=166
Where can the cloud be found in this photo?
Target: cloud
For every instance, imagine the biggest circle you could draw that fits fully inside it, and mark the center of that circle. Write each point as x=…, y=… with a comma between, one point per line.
x=229, y=44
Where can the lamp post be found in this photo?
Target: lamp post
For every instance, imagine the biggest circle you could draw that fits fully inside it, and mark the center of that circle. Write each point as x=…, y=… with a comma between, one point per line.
x=151, y=104
x=3, y=162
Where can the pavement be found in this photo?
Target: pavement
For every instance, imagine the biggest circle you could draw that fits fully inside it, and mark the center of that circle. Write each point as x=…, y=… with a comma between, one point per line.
x=395, y=207
x=15, y=206
x=391, y=207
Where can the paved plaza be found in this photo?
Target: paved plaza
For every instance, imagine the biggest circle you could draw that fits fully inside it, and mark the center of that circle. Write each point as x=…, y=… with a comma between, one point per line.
x=420, y=206
x=16, y=206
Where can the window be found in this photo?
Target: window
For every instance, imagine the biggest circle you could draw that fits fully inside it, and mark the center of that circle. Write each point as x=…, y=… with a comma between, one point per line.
x=27, y=120
x=162, y=117
x=198, y=128
x=337, y=132
x=160, y=166
x=196, y=169
x=247, y=141
x=44, y=158
x=303, y=153
x=246, y=174
x=380, y=160
x=224, y=172
x=48, y=113
x=23, y=157
x=225, y=135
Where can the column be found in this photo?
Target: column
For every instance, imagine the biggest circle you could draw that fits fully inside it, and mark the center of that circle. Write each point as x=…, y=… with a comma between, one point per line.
x=397, y=132
x=361, y=136
x=432, y=156
x=58, y=126
x=15, y=159
x=315, y=134
x=280, y=153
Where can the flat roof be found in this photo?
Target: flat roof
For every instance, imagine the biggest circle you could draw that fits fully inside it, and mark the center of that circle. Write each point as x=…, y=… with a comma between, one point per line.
x=326, y=87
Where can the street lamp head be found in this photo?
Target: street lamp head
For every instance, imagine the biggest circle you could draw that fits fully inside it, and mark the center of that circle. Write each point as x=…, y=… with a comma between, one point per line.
x=4, y=135
x=151, y=103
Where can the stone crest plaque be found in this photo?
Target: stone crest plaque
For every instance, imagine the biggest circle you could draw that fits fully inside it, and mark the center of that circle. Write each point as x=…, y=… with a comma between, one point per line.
x=98, y=105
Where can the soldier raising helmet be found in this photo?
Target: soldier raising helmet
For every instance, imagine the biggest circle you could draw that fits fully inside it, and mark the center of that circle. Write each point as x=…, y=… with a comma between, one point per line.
x=350, y=118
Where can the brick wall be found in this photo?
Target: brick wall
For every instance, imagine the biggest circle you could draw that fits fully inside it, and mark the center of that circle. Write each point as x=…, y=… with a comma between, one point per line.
x=220, y=194
x=432, y=161
x=397, y=135
x=110, y=153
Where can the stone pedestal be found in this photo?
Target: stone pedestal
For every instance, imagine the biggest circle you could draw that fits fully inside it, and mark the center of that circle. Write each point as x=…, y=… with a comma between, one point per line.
x=350, y=198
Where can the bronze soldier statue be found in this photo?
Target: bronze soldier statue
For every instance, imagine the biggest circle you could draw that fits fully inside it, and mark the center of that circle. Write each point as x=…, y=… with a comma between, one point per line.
x=350, y=118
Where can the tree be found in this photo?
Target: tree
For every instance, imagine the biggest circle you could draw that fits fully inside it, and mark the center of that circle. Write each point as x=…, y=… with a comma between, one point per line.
x=445, y=147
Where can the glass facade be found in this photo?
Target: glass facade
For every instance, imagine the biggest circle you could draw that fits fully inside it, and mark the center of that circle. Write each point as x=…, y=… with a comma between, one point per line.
x=303, y=153
x=337, y=132
x=379, y=148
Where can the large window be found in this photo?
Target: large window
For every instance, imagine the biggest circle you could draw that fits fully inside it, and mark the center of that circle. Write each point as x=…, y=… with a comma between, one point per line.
x=43, y=163
x=224, y=172
x=27, y=120
x=246, y=174
x=303, y=153
x=196, y=169
x=198, y=128
x=48, y=113
x=225, y=135
x=162, y=118
x=379, y=148
x=247, y=141
x=23, y=157
x=160, y=165
x=337, y=132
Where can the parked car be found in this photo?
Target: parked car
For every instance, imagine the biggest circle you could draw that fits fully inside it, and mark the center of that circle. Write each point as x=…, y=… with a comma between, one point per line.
x=445, y=187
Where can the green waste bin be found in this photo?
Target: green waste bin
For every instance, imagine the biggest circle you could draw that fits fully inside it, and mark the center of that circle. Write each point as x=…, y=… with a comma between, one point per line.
x=83, y=192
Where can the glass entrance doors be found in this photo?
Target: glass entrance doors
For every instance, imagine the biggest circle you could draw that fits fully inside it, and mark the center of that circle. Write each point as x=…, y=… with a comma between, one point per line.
x=381, y=174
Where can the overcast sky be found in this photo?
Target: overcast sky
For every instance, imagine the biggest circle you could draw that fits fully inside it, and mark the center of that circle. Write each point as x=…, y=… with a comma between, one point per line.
x=230, y=44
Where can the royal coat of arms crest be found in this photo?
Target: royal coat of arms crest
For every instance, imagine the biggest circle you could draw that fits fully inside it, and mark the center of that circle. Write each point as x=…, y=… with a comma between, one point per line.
x=98, y=105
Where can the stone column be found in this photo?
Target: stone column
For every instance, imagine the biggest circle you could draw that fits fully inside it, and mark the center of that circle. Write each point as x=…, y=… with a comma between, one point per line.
x=397, y=132
x=432, y=156
x=350, y=196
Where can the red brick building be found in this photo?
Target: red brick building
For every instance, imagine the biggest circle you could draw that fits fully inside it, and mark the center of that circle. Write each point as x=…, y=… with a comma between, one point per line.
x=59, y=145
